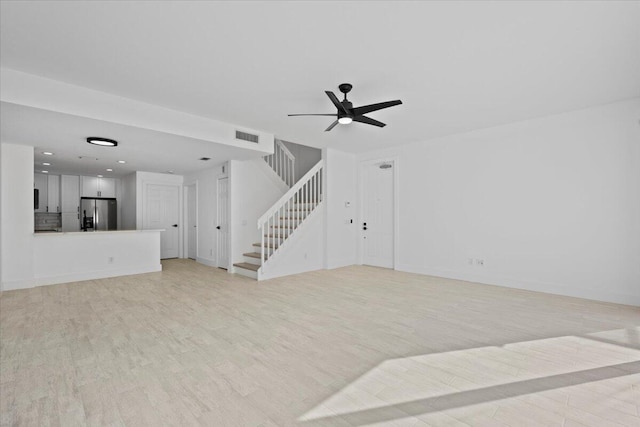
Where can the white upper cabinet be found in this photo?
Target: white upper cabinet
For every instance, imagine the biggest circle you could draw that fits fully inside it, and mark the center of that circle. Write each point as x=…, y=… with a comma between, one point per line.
x=40, y=182
x=89, y=186
x=107, y=187
x=70, y=193
x=53, y=193
x=98, y=187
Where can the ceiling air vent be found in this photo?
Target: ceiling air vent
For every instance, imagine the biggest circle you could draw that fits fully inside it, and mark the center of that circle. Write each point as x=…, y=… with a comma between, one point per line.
x=205, y=158
x=246, y=136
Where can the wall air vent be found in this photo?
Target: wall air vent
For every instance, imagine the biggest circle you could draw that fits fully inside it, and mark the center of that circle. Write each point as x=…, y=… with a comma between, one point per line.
x=247, y=136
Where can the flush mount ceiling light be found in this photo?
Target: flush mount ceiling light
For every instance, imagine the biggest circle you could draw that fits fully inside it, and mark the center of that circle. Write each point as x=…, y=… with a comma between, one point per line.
x=47, y=153
x=104, y=142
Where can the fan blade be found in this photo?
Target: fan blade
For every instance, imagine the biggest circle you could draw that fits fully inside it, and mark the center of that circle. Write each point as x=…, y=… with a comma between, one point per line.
x=336, y=102
x=374, y=107
x=369, y=121
x=331, y=126
x=291, y=115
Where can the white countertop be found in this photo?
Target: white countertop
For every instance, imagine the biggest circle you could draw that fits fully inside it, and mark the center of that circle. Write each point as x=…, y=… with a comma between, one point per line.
x=93, y=233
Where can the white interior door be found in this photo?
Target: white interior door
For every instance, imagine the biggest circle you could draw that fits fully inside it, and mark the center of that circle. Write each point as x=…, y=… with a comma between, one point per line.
x=222, y=227
x=192, y=221
x=377, y=214
x=162, y=206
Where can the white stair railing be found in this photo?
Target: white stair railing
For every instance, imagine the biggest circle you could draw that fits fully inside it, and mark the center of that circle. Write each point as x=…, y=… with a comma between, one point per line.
x=287, y=214
x=282, y=162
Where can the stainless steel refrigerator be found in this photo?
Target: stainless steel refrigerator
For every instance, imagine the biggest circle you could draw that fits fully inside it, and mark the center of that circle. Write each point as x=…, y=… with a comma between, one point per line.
x=98, y=214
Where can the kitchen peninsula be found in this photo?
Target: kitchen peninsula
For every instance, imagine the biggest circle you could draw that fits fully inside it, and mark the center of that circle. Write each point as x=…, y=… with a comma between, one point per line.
x=76, y=256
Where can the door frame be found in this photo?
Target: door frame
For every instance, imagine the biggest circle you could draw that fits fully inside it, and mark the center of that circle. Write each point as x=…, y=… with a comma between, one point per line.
x=229, y=265
x=396, y=205
x=185, y=215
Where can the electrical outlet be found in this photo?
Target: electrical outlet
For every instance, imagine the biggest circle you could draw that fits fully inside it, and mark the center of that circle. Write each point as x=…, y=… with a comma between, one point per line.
x=480, y=262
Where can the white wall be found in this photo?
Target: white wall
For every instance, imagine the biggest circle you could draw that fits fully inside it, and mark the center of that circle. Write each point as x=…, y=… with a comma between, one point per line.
x=341, y=187
x=128, y=202
x=207, y=212
x=252, y=192
x=550, y=204
x=16, y=195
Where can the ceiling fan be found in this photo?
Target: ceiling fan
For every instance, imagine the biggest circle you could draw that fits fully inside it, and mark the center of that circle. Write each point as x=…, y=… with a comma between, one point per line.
x=347, y=113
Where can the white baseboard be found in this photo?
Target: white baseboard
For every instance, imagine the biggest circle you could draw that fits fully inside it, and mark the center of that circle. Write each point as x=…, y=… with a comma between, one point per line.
x=78, y=277
x=528, y=285
x=207, y=261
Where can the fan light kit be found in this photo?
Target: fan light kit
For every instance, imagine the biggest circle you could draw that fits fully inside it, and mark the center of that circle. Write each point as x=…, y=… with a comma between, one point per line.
x=104, y=142
x=347, y=113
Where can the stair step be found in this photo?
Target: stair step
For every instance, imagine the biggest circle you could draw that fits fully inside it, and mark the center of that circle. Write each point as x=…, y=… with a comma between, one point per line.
x=255, y=255
x=267, y=245
x=247, y=266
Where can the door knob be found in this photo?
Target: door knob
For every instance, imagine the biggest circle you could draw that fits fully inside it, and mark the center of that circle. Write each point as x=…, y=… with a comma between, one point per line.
x=364, y=225
x=218, y=227
x=174, y=225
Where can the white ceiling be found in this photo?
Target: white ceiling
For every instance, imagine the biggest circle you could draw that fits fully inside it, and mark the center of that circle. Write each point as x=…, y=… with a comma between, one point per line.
x=142, y=149
x=457, y=66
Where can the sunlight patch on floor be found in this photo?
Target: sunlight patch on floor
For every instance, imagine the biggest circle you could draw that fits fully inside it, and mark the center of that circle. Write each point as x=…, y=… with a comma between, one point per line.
x=544, y=377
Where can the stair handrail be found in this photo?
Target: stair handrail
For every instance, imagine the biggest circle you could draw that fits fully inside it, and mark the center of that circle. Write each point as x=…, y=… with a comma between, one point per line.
x=282, y=162
x=303, y=197
x=291, y=192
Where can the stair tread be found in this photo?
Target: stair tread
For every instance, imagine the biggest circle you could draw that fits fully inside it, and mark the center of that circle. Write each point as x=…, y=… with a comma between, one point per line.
x=268, y=245
x=255, y=255
x=247, y=266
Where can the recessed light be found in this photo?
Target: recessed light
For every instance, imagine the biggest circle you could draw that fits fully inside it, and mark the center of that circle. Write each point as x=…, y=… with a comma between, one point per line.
x=47, y=153
x=121, y=161
x=99, y=176
x=171, y=172
x=45, y=171
x=46, y=164
x=104, y=142
x=109, y=170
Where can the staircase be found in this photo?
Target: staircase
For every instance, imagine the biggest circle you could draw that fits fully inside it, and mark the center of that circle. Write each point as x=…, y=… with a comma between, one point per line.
x=283, y=221
x=282, y=162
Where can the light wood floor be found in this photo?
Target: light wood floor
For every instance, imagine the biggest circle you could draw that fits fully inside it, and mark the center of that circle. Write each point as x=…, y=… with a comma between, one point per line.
x=349, y=347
